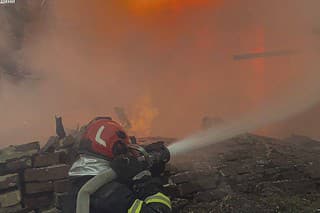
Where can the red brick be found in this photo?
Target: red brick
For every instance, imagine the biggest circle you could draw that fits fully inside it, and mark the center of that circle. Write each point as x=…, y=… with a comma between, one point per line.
x=32, y=188
x=46, y=173
x=9, y=181
x=47, y=159
x=19, y=164
x=12, y=209
x=10, y=198
x=28, y=147
x=38, y=201
x=62, y=186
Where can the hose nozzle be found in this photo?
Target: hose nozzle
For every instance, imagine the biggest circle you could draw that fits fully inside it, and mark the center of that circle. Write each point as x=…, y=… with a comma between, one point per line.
x=153, y=154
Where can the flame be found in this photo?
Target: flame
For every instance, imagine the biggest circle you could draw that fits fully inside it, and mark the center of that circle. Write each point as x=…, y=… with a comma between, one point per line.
x=146, y=7
x=142, y=116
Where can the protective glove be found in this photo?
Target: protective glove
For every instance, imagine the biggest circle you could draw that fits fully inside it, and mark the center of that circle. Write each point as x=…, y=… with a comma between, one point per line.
x=128, y=167
x=158, y=147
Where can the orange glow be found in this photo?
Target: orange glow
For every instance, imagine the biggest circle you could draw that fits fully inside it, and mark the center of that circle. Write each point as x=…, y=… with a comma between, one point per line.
x=258, y=87
x=142, y=116
x=145, y=7
x=258, y=67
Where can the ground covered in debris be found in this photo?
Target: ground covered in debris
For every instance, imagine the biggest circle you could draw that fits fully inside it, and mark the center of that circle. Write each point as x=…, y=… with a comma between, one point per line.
x=246, y=174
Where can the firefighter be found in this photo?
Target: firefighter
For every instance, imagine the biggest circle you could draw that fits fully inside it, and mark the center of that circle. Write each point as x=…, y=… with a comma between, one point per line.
x=137, y=189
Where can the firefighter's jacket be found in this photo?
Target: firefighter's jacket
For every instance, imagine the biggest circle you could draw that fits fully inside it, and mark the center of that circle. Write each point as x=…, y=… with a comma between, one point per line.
x=116, y=197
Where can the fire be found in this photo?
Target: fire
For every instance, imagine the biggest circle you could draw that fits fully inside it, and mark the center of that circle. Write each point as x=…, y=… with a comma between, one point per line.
x=145, y=7
x=142, y=116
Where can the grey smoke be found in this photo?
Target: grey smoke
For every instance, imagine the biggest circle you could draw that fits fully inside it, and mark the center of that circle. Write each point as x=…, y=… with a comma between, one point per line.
x=94, y=56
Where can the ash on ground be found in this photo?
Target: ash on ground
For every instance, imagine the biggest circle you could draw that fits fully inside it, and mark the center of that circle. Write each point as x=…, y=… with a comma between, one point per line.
x=248, y=174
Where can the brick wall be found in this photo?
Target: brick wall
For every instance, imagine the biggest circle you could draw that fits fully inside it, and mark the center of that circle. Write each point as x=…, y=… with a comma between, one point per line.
x=34, y=179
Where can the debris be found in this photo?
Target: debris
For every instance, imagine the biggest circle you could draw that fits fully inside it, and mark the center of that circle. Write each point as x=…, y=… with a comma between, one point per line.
x=255, y=55
x=51, y=145
x=123, y=117
x=187, y=188
x=248, y=173
x=59, y=127
x=66, y=142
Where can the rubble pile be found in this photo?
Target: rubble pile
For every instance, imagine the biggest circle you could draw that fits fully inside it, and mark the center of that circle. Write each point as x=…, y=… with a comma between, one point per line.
x=248, y=173
x=34, y=179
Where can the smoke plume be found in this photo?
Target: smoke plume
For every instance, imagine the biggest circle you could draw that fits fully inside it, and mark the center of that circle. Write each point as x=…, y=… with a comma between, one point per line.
x=167, y=63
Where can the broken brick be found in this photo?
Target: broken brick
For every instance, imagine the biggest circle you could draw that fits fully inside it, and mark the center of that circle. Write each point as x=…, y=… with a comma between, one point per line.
x=66, y=142
x=51, y=145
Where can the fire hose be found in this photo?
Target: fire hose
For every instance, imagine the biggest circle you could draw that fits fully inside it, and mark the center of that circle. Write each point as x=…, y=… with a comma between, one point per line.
x=152, y=157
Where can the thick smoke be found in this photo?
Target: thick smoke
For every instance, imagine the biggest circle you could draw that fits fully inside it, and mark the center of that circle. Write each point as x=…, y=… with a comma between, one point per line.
x=89, y=57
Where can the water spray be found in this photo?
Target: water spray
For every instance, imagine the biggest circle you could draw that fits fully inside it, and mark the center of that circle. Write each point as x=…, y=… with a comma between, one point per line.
x=250, y=122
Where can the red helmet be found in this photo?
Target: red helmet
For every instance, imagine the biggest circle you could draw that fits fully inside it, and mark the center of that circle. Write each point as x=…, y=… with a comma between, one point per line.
x=104, y=137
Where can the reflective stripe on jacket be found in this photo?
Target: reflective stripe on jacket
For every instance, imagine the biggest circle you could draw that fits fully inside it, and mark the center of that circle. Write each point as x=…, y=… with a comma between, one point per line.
x=155, y=202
